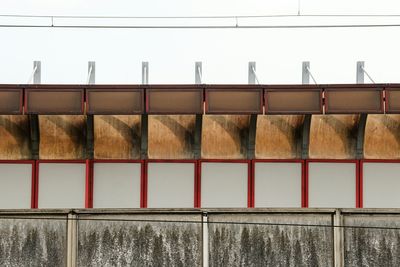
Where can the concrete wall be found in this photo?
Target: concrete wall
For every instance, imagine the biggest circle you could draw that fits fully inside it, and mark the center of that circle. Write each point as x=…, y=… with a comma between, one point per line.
x=229, y=237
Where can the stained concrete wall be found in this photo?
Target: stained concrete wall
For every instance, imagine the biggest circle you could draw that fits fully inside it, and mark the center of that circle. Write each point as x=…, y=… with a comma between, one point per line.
x=33, y=240
x=265, y=244
x=134, y=240
x=234, y=237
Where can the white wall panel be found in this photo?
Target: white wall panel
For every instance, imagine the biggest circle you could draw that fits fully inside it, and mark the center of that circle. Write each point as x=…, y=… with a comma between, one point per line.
x=332, y=185
x=277, y=184
x=15, y=186
x=224, y=185
x=116, y=185
x=62, y=185
x=381, y=185
x=170, y=185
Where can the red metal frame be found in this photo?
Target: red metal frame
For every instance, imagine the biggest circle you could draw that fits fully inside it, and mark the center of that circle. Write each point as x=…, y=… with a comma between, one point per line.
x=87, y=178
x=33, y=181
x=361, y=183
x=239, y=88
x=196, y=204
x=386, y=100
x=357, y=177
x=250, y=203
x=21, y=98
x=90, y=177
x=303, y=180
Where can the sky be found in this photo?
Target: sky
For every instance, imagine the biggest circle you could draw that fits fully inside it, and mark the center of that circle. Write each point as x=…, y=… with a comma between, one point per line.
x=225, y=53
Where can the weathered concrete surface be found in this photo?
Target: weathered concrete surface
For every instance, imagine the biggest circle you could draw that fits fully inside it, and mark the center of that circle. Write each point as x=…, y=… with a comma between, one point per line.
x=333, y=136
x=270, y=245
x=117, y=136
x=33, y=242
x=225, y=136
x=279, y=136
x=130, y=243
x=62, y=136
x=382, y=137
x=372, y=247
x=171, y=136
x=15, y=137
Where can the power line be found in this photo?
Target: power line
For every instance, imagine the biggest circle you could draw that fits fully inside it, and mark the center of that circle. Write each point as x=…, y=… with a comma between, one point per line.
x=200, y=26
x=200, y=222
x=197, y=17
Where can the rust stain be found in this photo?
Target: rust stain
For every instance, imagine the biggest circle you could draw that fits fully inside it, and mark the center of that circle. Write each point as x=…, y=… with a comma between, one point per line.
x=382, y=137
x=225, y=136
x=333, y=136
x=62, y=136
x=171, y=136
x=117, y=136
x=279, y=136
x=15, y=137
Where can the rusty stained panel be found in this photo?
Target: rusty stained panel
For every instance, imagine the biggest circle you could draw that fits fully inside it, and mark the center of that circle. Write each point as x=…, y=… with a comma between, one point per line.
x=225, y=136
x=279, y=136
x=53, y=101
x=171, y=136
x=382, y=137
x=15, y=137
x=393, y=100
x=175, y=101
x=114, y=101
x=10, y=101
x=234, y=101
x=353, y=100
x=281, y=101
x=62, y=136
x=117, y=136
x=333, y=136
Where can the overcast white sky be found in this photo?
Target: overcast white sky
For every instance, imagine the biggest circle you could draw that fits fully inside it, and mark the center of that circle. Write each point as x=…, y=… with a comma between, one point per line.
x=224, y=52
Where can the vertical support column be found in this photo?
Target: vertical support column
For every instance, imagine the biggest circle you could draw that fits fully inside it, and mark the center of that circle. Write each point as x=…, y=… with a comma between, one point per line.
x=144, y=130
x=144, y=120
x=363, y=117
x=338, y=237
x=251, y=140
x=91, y=79
x=72, y=238
x=35, y=136
x=305, y=79
x=205, y=239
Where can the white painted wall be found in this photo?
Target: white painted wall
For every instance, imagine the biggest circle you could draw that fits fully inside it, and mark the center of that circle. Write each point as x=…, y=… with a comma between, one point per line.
x=224, y=185
x=116, y=185
x=62, y=185
x=381, y=185
x=332, y=185
x=277, y=184
x=15, y=186
x=170, y=185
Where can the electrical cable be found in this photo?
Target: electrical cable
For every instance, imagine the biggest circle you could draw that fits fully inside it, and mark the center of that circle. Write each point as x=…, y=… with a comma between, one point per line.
x=199, y=222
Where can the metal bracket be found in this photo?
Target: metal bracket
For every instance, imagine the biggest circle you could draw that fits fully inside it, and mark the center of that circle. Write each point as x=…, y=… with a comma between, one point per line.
x=251, y=145
x=197, y=136
x=360, y=136
x=305, y=142
x=144, y=136
x=198, y=72
x=252, y=74
x=34, y=135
